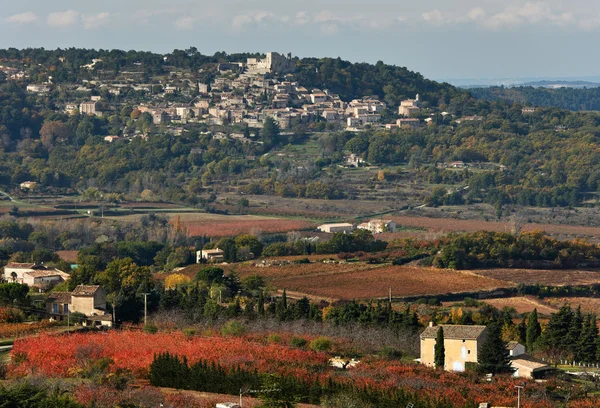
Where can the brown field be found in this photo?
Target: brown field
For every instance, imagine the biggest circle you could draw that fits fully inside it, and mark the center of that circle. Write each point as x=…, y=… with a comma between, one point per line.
x=522, y=304
x=556, y=277
x=452, y=225
x=219, y=226
x=375, y=283
x=364, y=281
x=588, y=305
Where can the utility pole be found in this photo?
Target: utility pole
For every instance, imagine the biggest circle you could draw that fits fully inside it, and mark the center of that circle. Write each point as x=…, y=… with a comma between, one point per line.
x=519, y=388
x=145, y=309
x=390, y=295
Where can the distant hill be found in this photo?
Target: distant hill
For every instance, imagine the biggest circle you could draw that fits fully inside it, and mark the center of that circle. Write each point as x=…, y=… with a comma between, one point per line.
x=574, y=99
x=562, y=84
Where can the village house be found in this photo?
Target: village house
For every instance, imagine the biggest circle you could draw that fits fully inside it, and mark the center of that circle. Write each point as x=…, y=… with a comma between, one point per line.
x=410, y=107
x=28, y=185
x=34, y=275
x=89, y=108
x=332, y=228
x=111, y=139
x=89, y=300
x=210, y=255
x=462, y=345
x=524, y=365
x=410, y=123
x=379, y=226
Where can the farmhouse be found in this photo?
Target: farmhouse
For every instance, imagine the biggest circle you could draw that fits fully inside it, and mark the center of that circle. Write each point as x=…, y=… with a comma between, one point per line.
x=332, y=228
x=33, y=274
x=524, y=365
x=89, y=300
x=210, y=255
x=379, y=226
x=462, y=345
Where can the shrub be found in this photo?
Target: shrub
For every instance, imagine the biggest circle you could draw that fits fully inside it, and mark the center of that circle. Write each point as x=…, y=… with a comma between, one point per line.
x=77, y=318
x=189, y=333
x=233, y=328
x=274, y=338
x=321, y=344
x=470, y=302
x=390, y=353
x=150, y=328
x=298, y=342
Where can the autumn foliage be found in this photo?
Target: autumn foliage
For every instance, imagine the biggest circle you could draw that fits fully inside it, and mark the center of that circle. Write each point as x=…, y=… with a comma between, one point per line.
x=65, y=356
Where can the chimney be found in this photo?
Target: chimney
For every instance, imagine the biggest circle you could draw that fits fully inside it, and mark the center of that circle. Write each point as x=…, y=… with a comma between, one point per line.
x=430, y=324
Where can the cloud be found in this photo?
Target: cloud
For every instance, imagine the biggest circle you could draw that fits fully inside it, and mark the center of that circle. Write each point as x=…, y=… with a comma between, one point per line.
x=185, y=23
x=435, y=16
x=301, y=18
x=476, y=14
x=529, y=13
x=240, y=21
x=63, y=18
x=91, y=22
x=22, y=18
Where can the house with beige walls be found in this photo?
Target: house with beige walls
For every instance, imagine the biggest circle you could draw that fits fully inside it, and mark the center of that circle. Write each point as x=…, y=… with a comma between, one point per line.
x=462, y=345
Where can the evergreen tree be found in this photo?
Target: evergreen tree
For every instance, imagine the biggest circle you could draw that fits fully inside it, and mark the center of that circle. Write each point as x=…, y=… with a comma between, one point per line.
x=574, y=334
x=281, y=309
x=522, y=330
x=439, y=349
x=556, y=334
x=261, y=304
x=534, y=330
x=494, y=357
x=587, y=344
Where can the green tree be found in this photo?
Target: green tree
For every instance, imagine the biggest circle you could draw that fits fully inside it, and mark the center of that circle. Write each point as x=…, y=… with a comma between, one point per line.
x=588, y=341
x=270, y=133
x=439, y=358
x=227, y=245
x=534, y=330
x=494, y=357
x=250, y=241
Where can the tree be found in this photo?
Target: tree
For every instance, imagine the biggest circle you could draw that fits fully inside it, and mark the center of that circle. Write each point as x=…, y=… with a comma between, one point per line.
x=534, y=330
x=227, y=245
x=439, y=358
x=557, y=332
x=250, y=241
x=53, y=132
x=587, y=344
x=270, y=133
x=494, y=357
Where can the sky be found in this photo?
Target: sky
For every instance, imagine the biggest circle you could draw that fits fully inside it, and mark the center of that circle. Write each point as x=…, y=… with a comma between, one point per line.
x=441, y=39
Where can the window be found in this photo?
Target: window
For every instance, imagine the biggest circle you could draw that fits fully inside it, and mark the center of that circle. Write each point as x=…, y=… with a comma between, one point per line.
x=468, y=351
x=66, y=308
x=55, y=308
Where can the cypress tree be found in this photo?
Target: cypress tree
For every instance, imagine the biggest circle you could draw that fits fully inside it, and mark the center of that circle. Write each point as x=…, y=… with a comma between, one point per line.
x=556, y=334
x=261, y=303
x=494, y=357
x=522, y=331
x=586, y=347
x=574, y=334
x=439, y=358
x=534, y=330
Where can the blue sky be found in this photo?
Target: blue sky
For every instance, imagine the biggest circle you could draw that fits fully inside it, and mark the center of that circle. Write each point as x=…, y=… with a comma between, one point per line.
x=441, y=39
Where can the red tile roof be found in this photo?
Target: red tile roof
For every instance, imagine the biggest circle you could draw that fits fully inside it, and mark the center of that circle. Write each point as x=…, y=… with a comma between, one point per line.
x=85, y=290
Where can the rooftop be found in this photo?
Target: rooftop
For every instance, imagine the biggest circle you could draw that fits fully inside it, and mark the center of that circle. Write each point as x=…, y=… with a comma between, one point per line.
x=18, y=265
x=45, y=273
x=60, y=297
x=85, y=290
x=454, y=331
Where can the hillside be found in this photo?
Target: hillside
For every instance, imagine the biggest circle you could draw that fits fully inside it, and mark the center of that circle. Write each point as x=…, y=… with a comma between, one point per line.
x=287, y=135
x=569, y=98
